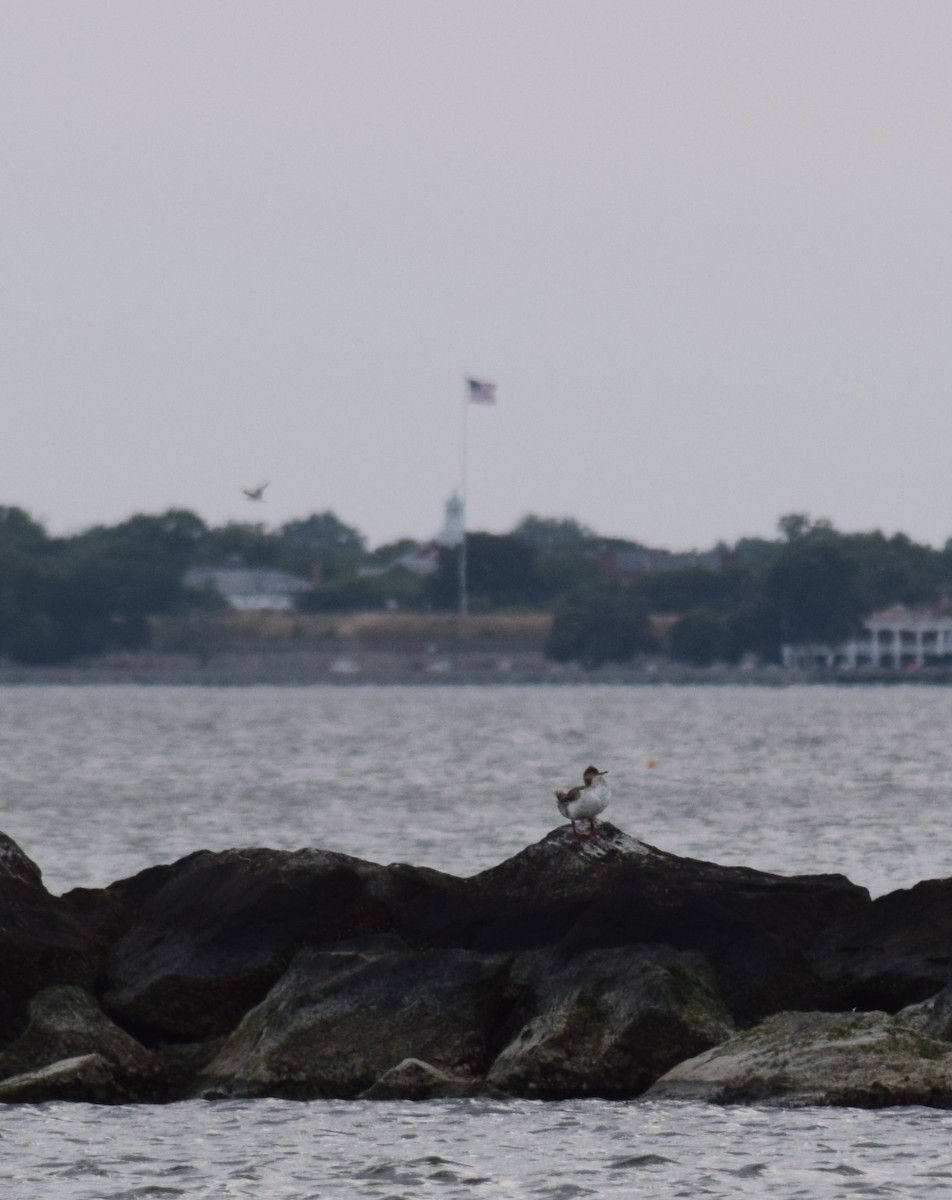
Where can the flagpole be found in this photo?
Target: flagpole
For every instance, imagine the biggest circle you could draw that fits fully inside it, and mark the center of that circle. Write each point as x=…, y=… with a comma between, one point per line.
x=485, y=392
x=463, y=597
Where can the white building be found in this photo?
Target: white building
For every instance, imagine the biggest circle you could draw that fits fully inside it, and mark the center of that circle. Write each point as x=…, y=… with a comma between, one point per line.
x=896, y=638
x=453, y=522
x=249, y=589
x=425, y=558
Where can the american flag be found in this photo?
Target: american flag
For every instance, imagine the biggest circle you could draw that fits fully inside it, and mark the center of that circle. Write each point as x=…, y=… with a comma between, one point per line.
x=481, y=392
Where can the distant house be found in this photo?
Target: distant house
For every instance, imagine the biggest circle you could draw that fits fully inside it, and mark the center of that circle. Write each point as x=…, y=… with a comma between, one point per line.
x=425, y=558
x=628, y=562
x=421, y=560
x=896, y=638
x=249, y=589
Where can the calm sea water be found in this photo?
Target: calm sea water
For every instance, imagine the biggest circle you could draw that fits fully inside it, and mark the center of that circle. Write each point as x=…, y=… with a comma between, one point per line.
x=97, y=783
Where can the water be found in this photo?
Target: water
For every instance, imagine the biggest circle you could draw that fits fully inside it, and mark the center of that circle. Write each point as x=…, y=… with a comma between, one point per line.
x=97, y=783
x=472, y=1149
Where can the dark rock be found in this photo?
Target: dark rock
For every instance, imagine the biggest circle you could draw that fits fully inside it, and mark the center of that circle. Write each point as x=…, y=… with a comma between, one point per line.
x=573, y=968
x=41, y=943
x=217, y=931
x=607, y=1022
x=177, y=1067
x=893, y=953
x=339, y=1019
x=755, y=928
x=210, y=935
x=66, y=1022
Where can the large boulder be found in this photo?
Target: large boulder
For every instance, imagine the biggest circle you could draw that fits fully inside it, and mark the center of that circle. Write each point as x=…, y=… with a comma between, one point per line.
x=66, y=1022
x=41, y=942
x=339, y=1019
x=573, y=968
x=867, y=1060
x=216, y=931
x=607, y=1022
x=196, y=944
x=755, y=928
x=891, y=954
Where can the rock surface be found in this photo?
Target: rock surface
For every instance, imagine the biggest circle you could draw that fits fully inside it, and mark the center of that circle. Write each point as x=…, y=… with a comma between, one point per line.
x=575, y=968
x=753, y=927
x=41, y=941
x=607, y=1022
x=891, y=953
x=205, y=939
x=214, y=932
x=66, y=1022
x=88, y=1078
x=868, y=1060
x=339, y=1019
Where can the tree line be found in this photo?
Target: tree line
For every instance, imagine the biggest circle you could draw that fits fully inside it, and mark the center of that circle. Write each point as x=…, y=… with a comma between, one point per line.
x=63, y=598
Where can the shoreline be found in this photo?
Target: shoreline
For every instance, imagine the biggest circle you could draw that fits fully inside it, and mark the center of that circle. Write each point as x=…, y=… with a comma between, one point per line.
x=403, y=649
x=356, y=667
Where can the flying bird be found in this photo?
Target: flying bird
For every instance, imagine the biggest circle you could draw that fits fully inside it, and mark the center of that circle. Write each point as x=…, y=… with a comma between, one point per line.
x=255, y=493
x=586, y=802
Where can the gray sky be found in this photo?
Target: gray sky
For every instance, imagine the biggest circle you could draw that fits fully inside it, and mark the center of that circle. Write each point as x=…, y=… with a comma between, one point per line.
x=702, y=248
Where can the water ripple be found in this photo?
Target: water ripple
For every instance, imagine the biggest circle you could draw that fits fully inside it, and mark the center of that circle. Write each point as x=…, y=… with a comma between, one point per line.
x=292, y=1150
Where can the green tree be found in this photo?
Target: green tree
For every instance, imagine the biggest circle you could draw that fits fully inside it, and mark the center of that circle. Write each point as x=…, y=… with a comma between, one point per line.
x=321, y=538
x=247, y=542
x=26, y=589
x=550, y=535
x=501, y=571
x=604, y=624
x=174, y=534
x=701, y=637
x=29, y=576
x=18, y=531
x=811, y=593
x=324, y=531
x=367, y=593
x=895, y=570
x=756, y=554
x=136, y=567
x=63, y=598
x=797, y=526
x=687, y=588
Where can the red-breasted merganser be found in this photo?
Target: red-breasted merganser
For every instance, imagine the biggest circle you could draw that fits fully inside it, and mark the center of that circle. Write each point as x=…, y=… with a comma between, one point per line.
x=586, y=802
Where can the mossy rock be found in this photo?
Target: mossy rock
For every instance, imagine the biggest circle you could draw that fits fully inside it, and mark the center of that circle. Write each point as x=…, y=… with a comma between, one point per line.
x=867, y=1060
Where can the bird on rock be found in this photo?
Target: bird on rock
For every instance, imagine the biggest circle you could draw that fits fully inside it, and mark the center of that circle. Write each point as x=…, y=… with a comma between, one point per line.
x=586, y=802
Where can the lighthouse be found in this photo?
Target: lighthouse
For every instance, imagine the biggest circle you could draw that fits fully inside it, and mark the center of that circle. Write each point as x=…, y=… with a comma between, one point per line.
x=453, y=522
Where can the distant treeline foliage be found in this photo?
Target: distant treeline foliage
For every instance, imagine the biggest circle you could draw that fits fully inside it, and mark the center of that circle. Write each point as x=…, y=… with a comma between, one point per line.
x=63, y=598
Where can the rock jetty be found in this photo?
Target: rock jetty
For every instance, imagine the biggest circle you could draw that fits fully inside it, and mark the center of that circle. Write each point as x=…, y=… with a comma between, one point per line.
x=604, y=967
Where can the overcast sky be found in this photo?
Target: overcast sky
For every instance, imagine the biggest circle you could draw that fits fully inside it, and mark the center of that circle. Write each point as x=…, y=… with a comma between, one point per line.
x=703, y=249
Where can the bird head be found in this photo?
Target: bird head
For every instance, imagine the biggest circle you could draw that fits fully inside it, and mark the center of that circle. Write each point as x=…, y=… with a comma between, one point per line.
x=591, y=773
